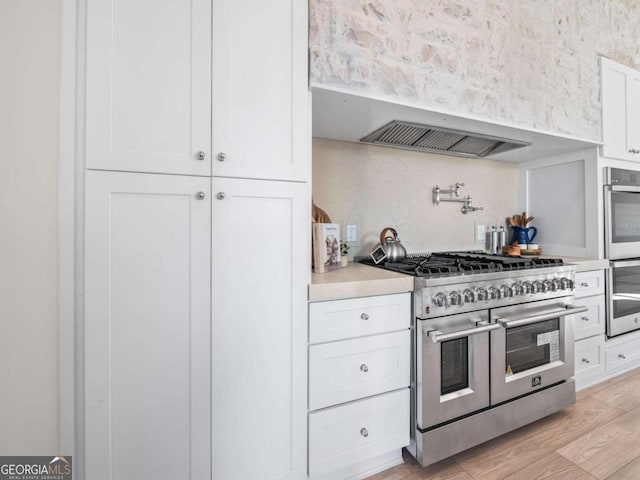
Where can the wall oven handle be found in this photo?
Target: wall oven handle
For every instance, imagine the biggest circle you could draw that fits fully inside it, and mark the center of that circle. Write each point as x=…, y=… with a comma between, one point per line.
x=569, y=310
x=624, y=263
x=438, y=337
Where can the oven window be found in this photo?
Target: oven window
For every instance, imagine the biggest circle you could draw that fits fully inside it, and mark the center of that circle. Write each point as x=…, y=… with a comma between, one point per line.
x=625, y=217
x=454, y=365
x=626, y=291
x=532, y=345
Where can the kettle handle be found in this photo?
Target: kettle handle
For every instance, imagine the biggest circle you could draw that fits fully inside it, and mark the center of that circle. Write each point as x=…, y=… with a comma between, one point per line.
x=383, y=237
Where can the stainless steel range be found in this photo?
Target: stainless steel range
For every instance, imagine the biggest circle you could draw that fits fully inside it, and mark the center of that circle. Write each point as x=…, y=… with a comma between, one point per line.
x=493, y=343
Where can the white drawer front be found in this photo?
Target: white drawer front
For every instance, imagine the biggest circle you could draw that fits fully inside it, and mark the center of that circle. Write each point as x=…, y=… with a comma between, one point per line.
x=589, y=358
x=354, y=317
x=348, y=434
x=352, y=369
x=591, y=322
x=589, y=283
x=621, y=356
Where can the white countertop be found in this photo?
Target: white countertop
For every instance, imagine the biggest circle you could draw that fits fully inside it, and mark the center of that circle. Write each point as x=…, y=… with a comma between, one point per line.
x=583, y=264
x=357, y=280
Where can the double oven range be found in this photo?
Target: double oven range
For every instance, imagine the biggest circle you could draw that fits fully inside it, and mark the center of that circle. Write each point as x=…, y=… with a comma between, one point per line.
x=493, y=347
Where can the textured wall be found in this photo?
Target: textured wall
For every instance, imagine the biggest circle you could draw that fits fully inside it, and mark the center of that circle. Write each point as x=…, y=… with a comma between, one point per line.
x=376, y=187
x=29, y=42
x=532, y=63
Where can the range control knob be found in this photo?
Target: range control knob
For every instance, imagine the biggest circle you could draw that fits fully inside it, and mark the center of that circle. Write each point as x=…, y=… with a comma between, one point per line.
x=481, y=294
x=537, y=286
x=506, y=291
x=494, y=293
x=566, y=284
x=455, y=299
x=469, y=296
x=440, y=300
x=517, y=289
x=556, y=285
x=527, y=287
x=546, y=285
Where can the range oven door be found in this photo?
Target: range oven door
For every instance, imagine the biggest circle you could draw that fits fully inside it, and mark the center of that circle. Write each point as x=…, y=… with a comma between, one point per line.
x=453, y=367
x=533, y=348
x=623, y=295
x=622, y=221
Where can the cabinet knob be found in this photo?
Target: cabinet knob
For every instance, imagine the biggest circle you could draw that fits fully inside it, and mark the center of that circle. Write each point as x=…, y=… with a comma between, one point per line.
x=364, y=368
x=622, y=357
x=584, y=284
x=364, y=316
x=586, y=360
x=221, y=157
x=200, y=195
x=220, y=195
x=201, y=155
x=364, y=432
x=584, y=319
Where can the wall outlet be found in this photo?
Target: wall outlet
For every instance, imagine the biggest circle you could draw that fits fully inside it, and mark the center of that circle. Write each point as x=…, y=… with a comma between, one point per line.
x=481, y=233
x=351, y=234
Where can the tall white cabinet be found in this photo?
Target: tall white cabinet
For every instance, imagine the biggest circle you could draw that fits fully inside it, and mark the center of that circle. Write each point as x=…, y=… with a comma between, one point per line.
x=196, y=229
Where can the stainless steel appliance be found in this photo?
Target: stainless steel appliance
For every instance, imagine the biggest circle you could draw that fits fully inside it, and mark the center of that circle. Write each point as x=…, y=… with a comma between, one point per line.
x=622, y=247
x=623, y=296
x=494, y=347
x=622, y=213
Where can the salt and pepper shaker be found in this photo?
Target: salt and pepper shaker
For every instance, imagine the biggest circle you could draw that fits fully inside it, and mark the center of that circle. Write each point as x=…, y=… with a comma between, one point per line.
x=492, y=240
x=502, y=239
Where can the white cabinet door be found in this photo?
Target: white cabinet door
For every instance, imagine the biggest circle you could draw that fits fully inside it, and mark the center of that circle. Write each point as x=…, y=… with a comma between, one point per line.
x=260, y=96
x=260, y=272
x=147, y=327
x=148, y=99
x=620, y=111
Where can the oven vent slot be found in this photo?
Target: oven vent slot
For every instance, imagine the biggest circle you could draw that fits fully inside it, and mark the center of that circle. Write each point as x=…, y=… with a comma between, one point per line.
x=425, y=138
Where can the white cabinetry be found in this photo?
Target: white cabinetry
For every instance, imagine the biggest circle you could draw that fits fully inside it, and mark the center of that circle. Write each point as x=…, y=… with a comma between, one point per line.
x=359, y=374
x=620, y=111
x=590, y=327
x=147, y=327
x=259, y=288
x=148, y=99
x=196, y=287
x=198, y=87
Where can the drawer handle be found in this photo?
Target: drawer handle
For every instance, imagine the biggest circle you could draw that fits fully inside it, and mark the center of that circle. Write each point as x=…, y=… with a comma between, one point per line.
x=586, y=360
x=584, y=284
x=364, y=316
x=584, y=319
x=364, y=368
x=622, y=357
x=364, y=432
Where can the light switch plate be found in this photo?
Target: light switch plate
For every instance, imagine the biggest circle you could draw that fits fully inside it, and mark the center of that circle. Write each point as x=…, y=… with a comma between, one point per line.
x=481, y=232
x=352, y=234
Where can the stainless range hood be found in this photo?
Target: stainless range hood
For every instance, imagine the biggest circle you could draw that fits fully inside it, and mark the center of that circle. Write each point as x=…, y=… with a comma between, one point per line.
x=425, y=138
x=347, y=116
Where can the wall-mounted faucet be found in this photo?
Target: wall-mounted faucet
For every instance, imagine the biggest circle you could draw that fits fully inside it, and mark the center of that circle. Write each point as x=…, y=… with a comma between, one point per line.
x=455, y=191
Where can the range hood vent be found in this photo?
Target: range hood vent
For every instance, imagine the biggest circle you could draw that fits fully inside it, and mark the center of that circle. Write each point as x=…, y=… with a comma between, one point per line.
x=424, y=138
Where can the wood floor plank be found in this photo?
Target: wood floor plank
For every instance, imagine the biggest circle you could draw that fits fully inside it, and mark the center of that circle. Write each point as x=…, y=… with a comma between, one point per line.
x=624, y=394
x=551, y=467
x=510, y=453
x=608, y=448
x=631, y=471
x=410, y=470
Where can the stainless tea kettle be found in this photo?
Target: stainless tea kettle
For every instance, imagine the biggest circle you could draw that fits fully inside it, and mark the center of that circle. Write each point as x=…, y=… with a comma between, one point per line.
x=393, y=250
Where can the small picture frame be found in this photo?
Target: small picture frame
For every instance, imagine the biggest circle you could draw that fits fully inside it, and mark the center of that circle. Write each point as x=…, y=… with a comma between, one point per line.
x=378, y=255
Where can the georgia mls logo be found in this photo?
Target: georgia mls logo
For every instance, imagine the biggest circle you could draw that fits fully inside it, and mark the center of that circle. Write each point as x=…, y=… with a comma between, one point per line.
x=35, y=468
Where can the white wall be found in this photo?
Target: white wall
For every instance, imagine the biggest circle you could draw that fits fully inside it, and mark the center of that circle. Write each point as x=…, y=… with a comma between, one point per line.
x=530, y=63
x=29, y=42
x=376, y=187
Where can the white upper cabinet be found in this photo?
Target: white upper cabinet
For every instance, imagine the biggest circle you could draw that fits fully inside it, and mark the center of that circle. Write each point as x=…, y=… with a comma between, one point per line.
x=260, y=95
x=197, y=87
x=260, y=239
x=147, y=327
x=149, y=86
x=620, y=111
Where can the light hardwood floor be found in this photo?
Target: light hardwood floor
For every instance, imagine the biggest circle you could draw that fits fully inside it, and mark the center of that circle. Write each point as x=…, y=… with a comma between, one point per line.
x=598, y=438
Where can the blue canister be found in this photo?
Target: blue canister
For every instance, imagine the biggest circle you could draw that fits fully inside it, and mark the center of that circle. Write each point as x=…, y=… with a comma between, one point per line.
x=522, y=235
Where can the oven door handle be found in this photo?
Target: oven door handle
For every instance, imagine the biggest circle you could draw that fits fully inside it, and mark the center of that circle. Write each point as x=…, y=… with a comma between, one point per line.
x=438, y=337
x=569, y=310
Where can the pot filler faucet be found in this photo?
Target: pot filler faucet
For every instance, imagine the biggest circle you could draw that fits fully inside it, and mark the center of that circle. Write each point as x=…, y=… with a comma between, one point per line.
x=466, y=201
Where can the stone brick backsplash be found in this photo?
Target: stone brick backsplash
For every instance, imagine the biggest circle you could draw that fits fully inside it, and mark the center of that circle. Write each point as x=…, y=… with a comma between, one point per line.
x=530, y=63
